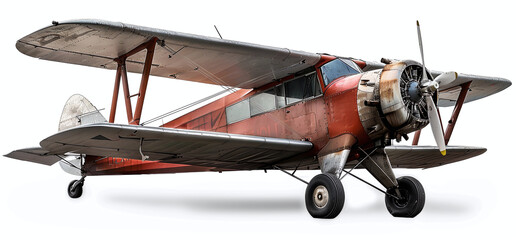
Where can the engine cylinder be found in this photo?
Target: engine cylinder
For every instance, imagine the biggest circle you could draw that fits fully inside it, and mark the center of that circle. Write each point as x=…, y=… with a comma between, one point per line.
x=390, y=101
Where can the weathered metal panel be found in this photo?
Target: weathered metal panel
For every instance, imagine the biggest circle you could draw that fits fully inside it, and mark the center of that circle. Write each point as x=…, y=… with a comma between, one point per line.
x=429, y=156
x=369, y=115
x=303, y=120
x=198, y=148
x=343, y=117
x=391, y=100
x=480, y=87
x=97, y=43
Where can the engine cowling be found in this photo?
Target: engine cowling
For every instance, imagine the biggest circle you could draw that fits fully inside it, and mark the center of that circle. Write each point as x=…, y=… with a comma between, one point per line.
x=390, y=102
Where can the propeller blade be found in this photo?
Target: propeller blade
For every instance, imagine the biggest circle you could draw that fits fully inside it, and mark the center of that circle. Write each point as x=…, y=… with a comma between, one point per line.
x=435, y=124
x=429, y=88
x=421, y=50
x=445, y=78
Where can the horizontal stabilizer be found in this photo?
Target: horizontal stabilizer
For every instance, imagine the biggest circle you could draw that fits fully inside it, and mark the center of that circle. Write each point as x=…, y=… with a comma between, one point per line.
x=35, y=155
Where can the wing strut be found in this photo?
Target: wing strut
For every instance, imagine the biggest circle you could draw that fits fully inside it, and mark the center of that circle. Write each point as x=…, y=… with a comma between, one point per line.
x=290, y=174
x=121, y=73
x=453, y=119
x=456, y=110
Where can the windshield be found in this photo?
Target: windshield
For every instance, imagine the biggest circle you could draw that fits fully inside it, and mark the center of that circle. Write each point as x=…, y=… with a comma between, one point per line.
x=338, y=68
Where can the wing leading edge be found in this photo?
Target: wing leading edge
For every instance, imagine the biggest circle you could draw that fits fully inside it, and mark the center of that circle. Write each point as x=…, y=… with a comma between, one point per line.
x=198, y=148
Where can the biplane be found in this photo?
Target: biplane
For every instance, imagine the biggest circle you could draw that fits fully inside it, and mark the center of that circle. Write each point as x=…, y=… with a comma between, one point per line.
x=282, y=109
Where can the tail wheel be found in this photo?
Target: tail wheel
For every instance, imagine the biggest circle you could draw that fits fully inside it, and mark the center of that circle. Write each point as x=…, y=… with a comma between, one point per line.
x=75, y=189
x=412, y=198
x=324, y=196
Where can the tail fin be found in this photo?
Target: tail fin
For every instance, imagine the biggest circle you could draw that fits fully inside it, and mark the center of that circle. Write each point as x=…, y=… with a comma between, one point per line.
x=79, y=111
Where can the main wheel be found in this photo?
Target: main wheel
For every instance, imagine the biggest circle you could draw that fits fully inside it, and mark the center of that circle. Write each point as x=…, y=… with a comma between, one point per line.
x=412, y=198
x=324, y=196
x=77, y=191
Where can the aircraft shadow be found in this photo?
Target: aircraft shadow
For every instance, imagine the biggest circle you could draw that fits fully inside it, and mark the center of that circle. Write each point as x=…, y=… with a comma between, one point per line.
x=241, y=203
x=205, y=203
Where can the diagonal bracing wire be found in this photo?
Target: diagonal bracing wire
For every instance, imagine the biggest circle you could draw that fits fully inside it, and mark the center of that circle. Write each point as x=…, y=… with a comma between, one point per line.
x=219, y=82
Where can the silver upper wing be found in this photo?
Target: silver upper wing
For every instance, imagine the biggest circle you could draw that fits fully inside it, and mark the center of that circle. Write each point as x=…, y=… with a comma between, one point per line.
x=199, y=148
x=97, y=43
x=480, y=87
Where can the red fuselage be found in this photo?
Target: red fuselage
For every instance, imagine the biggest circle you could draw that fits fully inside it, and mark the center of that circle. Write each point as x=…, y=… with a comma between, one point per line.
x=327, y=114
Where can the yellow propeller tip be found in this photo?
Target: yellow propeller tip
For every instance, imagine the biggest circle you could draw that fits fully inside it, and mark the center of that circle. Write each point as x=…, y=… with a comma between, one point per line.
x=443, y=152
x=417, y=22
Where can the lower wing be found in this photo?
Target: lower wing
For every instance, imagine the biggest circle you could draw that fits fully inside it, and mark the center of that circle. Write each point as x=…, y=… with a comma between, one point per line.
x=198, y=148
x=429, y=156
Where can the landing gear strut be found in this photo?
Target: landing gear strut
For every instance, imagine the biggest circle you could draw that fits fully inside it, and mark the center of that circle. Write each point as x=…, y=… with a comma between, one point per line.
x=75, y=188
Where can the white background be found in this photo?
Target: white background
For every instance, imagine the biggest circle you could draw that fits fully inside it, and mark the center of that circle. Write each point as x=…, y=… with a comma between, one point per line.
x=473, y=198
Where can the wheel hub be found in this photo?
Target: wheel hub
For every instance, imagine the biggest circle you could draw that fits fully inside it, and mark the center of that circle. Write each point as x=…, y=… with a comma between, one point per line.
x=320, y=196
x=403, y=201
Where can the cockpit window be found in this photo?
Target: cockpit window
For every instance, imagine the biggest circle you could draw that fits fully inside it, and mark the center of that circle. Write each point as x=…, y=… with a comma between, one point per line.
x=338, y=68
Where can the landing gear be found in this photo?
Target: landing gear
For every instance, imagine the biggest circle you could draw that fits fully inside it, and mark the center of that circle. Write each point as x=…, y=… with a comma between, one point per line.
x=324, y=196
x=412, y=198
x=75, y=188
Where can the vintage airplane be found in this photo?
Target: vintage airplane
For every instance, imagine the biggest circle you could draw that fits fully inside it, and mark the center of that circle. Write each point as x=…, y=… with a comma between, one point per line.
x=286, y=110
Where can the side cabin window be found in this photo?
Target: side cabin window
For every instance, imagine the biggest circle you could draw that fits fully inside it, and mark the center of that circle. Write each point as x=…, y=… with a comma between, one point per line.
x=238, y=111
x=338, y=68
x=300, y=88
x=303, y=87
x=280, y=96
x=263, y=102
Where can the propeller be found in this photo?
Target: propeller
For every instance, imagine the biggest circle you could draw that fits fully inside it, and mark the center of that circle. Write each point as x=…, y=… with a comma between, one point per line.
x=445, y=78
x=429, y=87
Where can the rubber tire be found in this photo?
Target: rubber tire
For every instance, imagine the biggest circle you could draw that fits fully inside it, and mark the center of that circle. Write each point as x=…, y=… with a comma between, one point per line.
x=78, y=190
x=336, y=196
x=411, y=190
